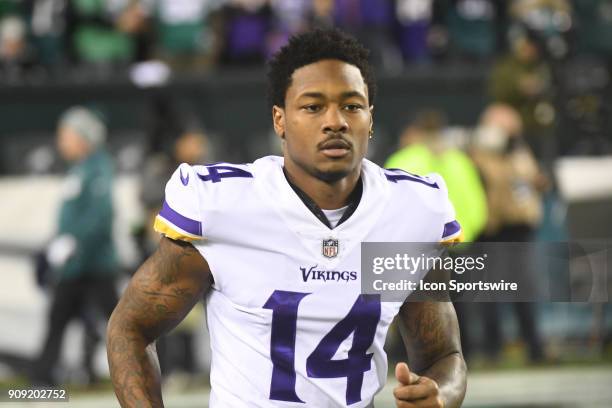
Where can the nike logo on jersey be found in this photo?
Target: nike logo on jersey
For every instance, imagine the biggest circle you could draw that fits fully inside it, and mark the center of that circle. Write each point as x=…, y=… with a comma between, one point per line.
x=312, y=274
x=184, y=180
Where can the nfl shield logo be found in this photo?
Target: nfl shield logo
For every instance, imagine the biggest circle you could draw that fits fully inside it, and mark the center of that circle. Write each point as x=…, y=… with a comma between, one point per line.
x=330, y=248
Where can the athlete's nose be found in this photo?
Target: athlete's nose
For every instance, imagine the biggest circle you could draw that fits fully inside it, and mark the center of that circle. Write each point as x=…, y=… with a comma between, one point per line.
x=334, y=121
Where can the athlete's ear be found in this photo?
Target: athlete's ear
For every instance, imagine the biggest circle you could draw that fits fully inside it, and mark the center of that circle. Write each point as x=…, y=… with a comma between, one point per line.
x=371, y=118
x=278, y=119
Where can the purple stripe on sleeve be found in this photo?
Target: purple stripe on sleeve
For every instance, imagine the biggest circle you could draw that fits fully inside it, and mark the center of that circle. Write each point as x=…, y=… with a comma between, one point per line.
x=451, y=228
x=186, y=224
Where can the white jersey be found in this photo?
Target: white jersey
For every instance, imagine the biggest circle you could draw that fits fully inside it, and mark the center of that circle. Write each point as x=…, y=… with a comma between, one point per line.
x=288, y=324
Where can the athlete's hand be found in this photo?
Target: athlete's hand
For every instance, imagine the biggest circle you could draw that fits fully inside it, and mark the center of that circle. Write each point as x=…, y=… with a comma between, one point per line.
x=415, y=391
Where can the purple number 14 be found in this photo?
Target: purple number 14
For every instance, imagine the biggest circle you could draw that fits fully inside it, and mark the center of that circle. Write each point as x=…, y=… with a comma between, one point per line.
x=361, y=320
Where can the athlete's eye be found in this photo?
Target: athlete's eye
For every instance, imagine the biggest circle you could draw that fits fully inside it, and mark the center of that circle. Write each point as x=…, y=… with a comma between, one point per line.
x=353, y=107
x=311, y=108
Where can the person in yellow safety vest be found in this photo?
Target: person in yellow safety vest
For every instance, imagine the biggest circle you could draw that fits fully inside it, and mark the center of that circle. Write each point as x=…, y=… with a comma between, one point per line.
x=423, y=151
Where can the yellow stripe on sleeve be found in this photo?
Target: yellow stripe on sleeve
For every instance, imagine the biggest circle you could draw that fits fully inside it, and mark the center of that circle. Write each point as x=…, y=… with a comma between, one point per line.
x=454, y=240
x=164, y=227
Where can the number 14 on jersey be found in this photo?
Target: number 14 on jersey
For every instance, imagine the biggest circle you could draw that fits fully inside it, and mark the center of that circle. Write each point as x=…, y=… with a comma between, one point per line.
x=361, y=320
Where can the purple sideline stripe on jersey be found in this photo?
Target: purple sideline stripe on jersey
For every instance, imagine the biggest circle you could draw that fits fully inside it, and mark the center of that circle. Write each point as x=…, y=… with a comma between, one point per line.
x=186, y=224
x=450, y=228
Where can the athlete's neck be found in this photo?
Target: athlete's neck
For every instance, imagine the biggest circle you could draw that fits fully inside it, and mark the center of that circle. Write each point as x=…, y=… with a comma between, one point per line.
x=328, y=196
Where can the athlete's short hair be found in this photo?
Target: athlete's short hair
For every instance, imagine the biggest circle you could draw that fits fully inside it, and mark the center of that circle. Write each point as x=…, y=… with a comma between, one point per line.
x=313, y=46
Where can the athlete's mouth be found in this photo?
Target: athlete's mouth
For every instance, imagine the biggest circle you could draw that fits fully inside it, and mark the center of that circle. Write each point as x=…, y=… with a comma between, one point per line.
x=335, y=148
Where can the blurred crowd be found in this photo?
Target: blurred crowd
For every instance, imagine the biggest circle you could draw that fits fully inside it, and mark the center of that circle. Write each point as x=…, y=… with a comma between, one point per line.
x=41, y=38
x=497, y=188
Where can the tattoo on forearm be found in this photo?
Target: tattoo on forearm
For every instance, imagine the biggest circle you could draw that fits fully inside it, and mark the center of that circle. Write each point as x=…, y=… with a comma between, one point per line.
x=429, y=332
x=431, y=336
x=160, y=294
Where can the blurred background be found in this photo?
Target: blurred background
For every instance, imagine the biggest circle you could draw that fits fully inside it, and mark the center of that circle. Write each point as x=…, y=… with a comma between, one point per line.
x=511, y=101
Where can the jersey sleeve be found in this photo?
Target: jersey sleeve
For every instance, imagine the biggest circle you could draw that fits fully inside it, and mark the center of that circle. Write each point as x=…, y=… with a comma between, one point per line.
x=451, y=231
x=180, y=216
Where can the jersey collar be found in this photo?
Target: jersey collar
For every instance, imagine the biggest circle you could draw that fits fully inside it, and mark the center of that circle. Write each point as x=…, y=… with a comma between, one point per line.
x=353, y=200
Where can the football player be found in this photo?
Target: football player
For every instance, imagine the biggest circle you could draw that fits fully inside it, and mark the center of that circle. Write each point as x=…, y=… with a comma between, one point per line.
x=274, y=248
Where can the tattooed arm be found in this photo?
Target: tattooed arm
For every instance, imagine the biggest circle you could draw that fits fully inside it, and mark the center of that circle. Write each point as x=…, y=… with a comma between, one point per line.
x=431, y=337
x=161, y=293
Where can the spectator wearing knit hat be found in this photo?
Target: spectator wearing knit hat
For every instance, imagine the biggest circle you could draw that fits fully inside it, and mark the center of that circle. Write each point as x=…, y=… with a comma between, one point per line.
x=81, y=256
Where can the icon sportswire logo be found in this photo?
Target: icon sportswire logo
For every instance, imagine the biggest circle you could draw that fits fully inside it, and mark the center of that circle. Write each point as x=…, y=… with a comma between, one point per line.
x=324, y=275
